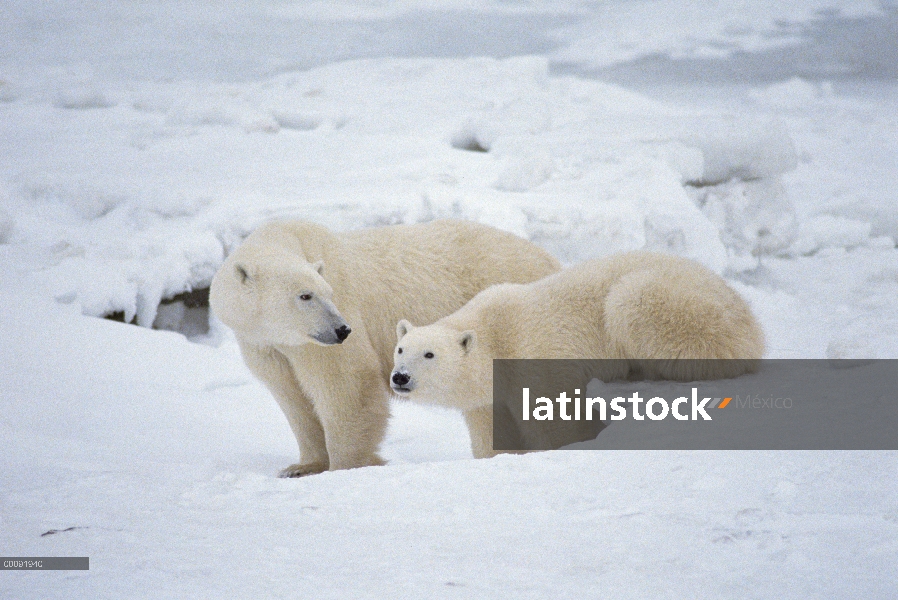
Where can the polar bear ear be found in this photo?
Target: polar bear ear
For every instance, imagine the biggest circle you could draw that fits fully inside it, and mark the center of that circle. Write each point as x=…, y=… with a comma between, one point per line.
x=402, y=328
x=242, y=275
x=319, y=266
x=467, y=340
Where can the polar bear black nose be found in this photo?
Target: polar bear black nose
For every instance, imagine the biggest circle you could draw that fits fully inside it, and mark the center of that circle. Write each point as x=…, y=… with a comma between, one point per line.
x=400, y=378
x=342, y=332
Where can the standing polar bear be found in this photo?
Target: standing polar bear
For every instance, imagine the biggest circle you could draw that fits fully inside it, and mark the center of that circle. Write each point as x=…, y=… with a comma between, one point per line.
x=639, y=305
x=314, y=313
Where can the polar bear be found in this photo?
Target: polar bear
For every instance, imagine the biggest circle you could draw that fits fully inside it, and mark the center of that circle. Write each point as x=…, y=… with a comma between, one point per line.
x=638, y=305
x=314, y=313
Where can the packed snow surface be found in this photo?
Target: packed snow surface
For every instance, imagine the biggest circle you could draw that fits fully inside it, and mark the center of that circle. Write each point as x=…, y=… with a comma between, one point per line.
x=141, y=142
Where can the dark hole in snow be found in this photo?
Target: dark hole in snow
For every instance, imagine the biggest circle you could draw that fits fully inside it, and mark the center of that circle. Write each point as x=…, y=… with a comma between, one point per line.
x=55, y=531
x=193, y=299
x=186, y=313
x=470, y=143
x=706, y=183
x=119, y=316
x=298, y=122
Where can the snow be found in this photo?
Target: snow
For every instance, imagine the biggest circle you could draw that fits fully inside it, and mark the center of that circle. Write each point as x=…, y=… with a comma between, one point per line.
x=139, y=144
x=297, y=142
x=697, y=29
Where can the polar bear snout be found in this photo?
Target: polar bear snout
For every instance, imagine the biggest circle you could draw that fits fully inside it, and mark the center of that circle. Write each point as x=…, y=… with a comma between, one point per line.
x=342, y=332
x=401, y=382
x=327, y=324
x=336, y=335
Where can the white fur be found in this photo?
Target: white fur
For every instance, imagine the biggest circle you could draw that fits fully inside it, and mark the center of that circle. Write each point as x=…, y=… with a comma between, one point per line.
x=639, y=305
x=291, y=284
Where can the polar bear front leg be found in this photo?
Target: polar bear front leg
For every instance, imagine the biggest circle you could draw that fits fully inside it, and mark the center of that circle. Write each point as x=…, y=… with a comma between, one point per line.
x=351, y=398
x=274, y=370
x=354, y=414
x=480, y=428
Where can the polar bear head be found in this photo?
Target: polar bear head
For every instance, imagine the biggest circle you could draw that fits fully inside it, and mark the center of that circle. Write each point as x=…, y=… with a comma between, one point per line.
x=438, y=365
x=276, y=298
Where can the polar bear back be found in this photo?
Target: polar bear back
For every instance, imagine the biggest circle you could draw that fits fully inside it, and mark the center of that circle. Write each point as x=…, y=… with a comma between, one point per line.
x=634, y=305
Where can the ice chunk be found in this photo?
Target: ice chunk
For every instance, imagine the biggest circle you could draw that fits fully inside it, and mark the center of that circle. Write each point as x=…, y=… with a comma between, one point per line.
x=828, y=231
x=523, y=173
x=742, y=149
x=792, y=94
x=754, y=217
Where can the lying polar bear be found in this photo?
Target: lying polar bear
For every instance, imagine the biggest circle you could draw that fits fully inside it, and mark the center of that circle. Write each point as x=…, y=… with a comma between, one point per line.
x=638, y=305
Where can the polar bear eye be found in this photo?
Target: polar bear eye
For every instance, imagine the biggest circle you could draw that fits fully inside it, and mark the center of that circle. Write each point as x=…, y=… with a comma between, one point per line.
x=428, y=355
x=399, y=351
x=305, y=297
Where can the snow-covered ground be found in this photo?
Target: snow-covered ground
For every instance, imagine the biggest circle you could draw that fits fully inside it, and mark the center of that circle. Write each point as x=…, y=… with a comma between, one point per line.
x=139, y=142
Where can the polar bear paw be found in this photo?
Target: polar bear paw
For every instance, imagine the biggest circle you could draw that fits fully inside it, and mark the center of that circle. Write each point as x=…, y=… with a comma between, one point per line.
x=301, y=470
